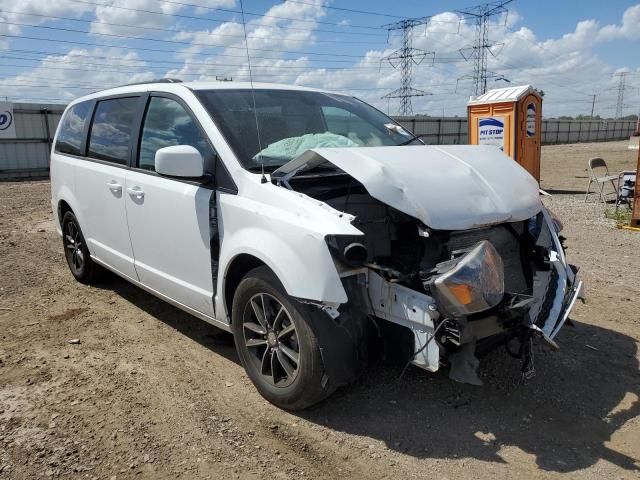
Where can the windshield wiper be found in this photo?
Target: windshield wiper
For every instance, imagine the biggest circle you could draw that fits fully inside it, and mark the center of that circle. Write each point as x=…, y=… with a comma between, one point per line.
x=407, y=142
x=259, y=168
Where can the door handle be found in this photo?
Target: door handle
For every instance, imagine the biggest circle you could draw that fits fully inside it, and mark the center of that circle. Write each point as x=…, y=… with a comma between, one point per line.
x=136, y=192
x=114, y=186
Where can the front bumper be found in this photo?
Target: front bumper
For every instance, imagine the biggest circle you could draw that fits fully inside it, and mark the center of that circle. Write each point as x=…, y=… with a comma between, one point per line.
x=555, y=291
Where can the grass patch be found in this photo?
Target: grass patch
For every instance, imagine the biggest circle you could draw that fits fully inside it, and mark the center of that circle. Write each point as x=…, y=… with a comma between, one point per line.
x=621, y=217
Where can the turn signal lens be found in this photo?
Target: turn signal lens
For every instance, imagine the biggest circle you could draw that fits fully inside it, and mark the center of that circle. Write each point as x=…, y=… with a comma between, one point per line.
x=463, y=293
x=473, y=283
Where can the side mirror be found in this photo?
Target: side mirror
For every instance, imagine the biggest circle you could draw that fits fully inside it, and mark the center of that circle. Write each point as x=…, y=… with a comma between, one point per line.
x=179, y=161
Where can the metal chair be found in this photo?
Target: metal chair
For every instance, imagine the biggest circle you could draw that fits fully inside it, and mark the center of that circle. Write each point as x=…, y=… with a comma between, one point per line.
x=595, y=165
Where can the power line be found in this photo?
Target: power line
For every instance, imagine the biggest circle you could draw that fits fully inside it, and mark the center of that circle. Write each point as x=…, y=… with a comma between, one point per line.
x=102, y=65
x=259, y=71
x=177, y=42
x=482, y=45
x=155, y=70
x=219, y=9
x=177, y=30
x=622, y=78
x=127, y=47
x=563, y=86
x=253, y=14
x=222, y=66
x=164, y=51
x=15, y=85
x=405, y=57
x=351, y=10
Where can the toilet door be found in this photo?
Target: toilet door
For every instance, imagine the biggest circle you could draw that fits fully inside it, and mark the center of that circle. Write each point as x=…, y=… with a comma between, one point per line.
x=529, y=120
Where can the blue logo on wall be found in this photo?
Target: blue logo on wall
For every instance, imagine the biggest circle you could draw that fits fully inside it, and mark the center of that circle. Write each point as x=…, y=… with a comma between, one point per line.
x=531, y=120
x=491, y=131
x=491, y=122
x=6, y=119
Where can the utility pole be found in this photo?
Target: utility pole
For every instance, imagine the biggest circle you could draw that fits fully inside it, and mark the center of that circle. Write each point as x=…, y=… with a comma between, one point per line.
x=593, y=104
x=405, y=57
x=481, y=14
x=622, y=79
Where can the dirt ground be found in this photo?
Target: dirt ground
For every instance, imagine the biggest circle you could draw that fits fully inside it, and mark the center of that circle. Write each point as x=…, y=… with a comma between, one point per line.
x=151, y=392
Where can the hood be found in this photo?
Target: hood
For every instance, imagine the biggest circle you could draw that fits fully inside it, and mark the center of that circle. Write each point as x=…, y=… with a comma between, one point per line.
x=452, y=187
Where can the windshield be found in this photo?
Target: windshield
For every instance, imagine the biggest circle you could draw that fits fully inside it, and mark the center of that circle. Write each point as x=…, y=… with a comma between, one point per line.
x=291, y=122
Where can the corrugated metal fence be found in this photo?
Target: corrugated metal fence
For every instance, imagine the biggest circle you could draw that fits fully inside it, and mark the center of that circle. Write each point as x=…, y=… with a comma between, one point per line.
x=453, y=130
x=28, y=154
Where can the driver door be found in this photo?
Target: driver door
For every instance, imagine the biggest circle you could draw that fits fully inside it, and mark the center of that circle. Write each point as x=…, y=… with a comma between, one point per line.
x=169, y=218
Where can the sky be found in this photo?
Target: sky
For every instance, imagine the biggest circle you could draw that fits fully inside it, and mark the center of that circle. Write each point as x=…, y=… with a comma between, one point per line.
x=55, y=51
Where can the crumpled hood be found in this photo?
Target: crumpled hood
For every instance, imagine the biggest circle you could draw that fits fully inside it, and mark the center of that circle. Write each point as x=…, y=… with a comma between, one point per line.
x=452, y=187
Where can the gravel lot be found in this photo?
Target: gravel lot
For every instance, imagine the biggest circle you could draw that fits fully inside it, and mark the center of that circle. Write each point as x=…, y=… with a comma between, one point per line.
x=151, y=392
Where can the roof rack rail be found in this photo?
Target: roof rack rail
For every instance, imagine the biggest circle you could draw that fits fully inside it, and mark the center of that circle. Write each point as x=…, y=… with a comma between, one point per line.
x=158, y=80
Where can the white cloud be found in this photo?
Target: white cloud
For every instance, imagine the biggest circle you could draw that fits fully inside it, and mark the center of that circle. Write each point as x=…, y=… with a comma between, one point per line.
x=566, y=67
x=141, y=13
x=14, y=13
x=629, y=28
x=58, y=7
x=287, y=26
x=77, y=73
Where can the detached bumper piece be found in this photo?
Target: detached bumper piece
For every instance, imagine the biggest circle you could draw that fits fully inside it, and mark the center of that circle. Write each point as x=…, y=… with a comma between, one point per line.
x=555, y=292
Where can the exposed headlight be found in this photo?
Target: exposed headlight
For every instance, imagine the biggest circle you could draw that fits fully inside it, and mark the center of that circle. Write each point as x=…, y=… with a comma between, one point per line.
x=474, y=283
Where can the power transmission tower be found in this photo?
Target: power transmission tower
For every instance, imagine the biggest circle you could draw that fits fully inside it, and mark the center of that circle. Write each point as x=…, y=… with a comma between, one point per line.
x=405, y=57
x=481, y=14
x=621, y=87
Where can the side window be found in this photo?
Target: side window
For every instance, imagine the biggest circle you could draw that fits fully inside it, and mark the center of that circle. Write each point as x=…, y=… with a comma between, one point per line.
x=71, y=128
x=111, y=129
x=167, y=123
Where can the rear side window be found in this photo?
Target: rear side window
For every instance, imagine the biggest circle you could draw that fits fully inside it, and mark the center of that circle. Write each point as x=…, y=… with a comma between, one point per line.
x=111, y=129
x=70, y=133
x=166, y=124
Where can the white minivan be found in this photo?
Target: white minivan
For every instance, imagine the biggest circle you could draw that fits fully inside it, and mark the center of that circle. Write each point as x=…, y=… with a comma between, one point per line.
x=313, y=227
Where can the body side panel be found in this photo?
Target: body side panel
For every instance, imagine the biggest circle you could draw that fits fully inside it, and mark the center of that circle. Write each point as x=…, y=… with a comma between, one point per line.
x=287, y=232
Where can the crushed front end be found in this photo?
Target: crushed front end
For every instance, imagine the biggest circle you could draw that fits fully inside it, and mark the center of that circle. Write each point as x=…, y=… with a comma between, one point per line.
x=460, y=270
x=471, y=290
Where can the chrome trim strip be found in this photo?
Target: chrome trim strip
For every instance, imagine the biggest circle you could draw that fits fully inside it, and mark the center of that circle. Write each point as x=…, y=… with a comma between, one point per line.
x=558, y=301
x=554, y=236
x=574, y=296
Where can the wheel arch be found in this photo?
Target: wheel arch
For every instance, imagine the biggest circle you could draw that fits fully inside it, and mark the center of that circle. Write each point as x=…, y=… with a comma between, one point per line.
x=238, y=267
x=65, y=201
x=63, y=207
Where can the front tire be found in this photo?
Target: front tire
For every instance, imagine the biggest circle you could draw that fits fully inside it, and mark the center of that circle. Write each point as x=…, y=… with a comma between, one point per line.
x=76, y=252
x=275, y=343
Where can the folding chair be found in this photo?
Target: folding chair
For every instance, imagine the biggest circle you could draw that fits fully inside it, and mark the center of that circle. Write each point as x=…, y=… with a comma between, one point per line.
x=595, y=165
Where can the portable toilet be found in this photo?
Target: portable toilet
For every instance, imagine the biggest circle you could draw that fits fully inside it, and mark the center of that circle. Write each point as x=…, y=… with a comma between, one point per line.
x=509, y=118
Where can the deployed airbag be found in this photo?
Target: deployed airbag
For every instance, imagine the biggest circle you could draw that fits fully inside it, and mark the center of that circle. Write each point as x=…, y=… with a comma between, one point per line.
x=292, y=147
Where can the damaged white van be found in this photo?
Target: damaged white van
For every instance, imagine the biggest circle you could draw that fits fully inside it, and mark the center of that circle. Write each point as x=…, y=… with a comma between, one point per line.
x=313, y=227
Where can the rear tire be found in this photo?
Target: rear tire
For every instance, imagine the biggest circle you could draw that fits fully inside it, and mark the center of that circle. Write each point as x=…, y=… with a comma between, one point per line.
x=275, y=343
x=76, y=252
